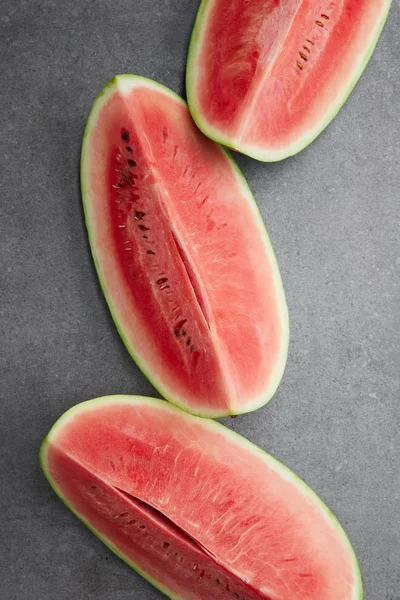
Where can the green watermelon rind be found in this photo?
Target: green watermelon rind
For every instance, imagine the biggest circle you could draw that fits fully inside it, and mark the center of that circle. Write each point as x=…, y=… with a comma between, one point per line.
x=271, y=461
x=106, y=93
x=253, y=152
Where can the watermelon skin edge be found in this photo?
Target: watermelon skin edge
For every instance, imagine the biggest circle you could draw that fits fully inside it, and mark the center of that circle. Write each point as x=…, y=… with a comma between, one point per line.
x=102, y=97
x=268, y=156
x=124, y=398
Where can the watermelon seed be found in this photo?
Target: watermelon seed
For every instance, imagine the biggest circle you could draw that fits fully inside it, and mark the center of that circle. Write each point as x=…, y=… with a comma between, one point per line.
x=94, y=487
x=202, y=572
x=325, y=17
x=165, y=545
x=307, y=49
x=303, y=56
x=217, y=580
x=204, y=200
x=195, y=567
x=142, y=527
x=185, y=171
x=175, y=151
x=129, y=149
x=139, y=215
x=183, y=332
x=310, y=42
x=143, y=228
x=178, y=327
x=116, y=516
x=319, y=23
x=162, y=280
x=131, y=162
x=237, y=595
x=125, y=136
x=150, y=252
x=131, y=522
x=188, y=341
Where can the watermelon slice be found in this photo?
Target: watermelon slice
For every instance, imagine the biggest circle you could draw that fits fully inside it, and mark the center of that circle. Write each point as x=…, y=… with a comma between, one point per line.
x=266, y=77
x=181, y=251
x=198, y=510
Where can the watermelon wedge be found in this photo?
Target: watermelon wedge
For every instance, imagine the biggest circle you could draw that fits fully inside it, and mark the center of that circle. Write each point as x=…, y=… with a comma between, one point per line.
x=198, y=510
x=181, y=251
x=266, y=77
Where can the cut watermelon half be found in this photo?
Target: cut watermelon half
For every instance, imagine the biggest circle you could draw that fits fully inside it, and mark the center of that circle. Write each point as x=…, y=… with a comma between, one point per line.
x=181, y=251
x=198, y=510
x=266, y=77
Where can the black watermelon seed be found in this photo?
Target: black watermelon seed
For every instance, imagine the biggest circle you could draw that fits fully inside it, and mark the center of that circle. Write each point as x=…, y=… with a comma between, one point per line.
x=178, y=327
x=139, y=215
x=131, y=163
x=189, y=340
x=125, y=136
x=166, y=545
x=129, y=149
x=143, y=228
x=150, y=252
x=162, y=280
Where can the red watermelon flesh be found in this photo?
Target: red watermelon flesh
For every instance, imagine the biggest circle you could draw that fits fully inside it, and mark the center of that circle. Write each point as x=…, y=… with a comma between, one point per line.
x=265, y=77
x=195, y=508
x=181, y=251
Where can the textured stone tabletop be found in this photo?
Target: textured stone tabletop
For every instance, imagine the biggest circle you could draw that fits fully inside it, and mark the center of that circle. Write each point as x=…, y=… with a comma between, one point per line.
x=333, y=215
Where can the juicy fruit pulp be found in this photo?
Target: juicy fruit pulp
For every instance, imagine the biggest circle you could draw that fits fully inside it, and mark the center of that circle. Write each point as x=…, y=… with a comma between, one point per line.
x=194, y=507
x=265, y=77
x=181, y=251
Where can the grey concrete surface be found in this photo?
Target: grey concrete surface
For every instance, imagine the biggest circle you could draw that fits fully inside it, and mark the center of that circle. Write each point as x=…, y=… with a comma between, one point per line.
x=333, y=215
